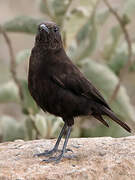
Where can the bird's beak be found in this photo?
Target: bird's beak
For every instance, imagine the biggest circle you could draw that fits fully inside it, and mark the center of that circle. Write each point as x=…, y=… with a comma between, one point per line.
x=44, y=27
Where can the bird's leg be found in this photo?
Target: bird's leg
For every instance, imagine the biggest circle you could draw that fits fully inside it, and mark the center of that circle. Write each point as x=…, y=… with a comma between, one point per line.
x=58, y=158
x=55, y=149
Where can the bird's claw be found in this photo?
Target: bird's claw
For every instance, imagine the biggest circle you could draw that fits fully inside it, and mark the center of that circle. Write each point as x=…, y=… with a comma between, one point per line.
x=67, y=150
x=58, y=158
x=47, y=153
x=51, y=152
x=54, y=159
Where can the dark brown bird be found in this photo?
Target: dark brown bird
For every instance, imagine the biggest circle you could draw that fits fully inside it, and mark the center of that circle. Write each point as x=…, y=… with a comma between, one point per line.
x=59, y=88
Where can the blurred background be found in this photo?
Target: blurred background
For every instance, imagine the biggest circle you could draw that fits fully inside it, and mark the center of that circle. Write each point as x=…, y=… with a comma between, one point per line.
x=98, y=36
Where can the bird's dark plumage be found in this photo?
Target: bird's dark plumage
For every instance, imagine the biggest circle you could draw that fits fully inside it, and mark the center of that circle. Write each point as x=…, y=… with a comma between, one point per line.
x=58, y=86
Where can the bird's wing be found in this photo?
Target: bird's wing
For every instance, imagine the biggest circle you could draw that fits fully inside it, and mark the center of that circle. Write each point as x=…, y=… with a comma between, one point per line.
x=79, y=85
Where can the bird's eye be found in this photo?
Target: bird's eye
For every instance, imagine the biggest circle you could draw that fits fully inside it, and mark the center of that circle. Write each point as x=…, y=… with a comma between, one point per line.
x=56, y=29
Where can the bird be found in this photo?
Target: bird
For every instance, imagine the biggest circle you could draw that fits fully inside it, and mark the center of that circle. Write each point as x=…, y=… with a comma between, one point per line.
x=60, y=88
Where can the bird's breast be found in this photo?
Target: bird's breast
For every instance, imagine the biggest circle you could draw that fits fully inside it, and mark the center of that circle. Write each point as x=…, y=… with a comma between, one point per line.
x=44, y=92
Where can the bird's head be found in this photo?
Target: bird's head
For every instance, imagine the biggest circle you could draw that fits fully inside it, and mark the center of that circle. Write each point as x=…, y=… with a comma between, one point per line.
x=48, y=36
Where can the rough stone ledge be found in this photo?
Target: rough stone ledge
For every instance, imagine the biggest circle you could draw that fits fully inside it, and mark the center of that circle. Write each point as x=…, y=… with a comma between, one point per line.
x=98, y=159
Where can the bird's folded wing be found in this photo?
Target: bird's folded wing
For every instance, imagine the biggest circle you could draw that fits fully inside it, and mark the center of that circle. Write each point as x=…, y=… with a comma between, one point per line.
x=79, y=85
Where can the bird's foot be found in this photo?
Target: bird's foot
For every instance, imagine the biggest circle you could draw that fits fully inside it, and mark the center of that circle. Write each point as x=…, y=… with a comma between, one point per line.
x=47, y=153
x=57, y=159
x=51, y=152
x=68, y=150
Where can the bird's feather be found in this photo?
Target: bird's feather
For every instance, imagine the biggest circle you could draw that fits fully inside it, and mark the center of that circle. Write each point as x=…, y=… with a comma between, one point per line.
x=78, y=84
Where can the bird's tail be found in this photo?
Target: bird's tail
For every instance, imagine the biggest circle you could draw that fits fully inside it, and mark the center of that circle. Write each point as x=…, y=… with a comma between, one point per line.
x=111, y=114
x=99, y=117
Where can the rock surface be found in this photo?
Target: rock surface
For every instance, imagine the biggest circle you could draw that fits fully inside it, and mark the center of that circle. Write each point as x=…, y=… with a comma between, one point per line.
x=97, y=159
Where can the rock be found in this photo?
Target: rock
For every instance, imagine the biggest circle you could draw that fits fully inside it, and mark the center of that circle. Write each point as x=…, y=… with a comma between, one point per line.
x=97, y=159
